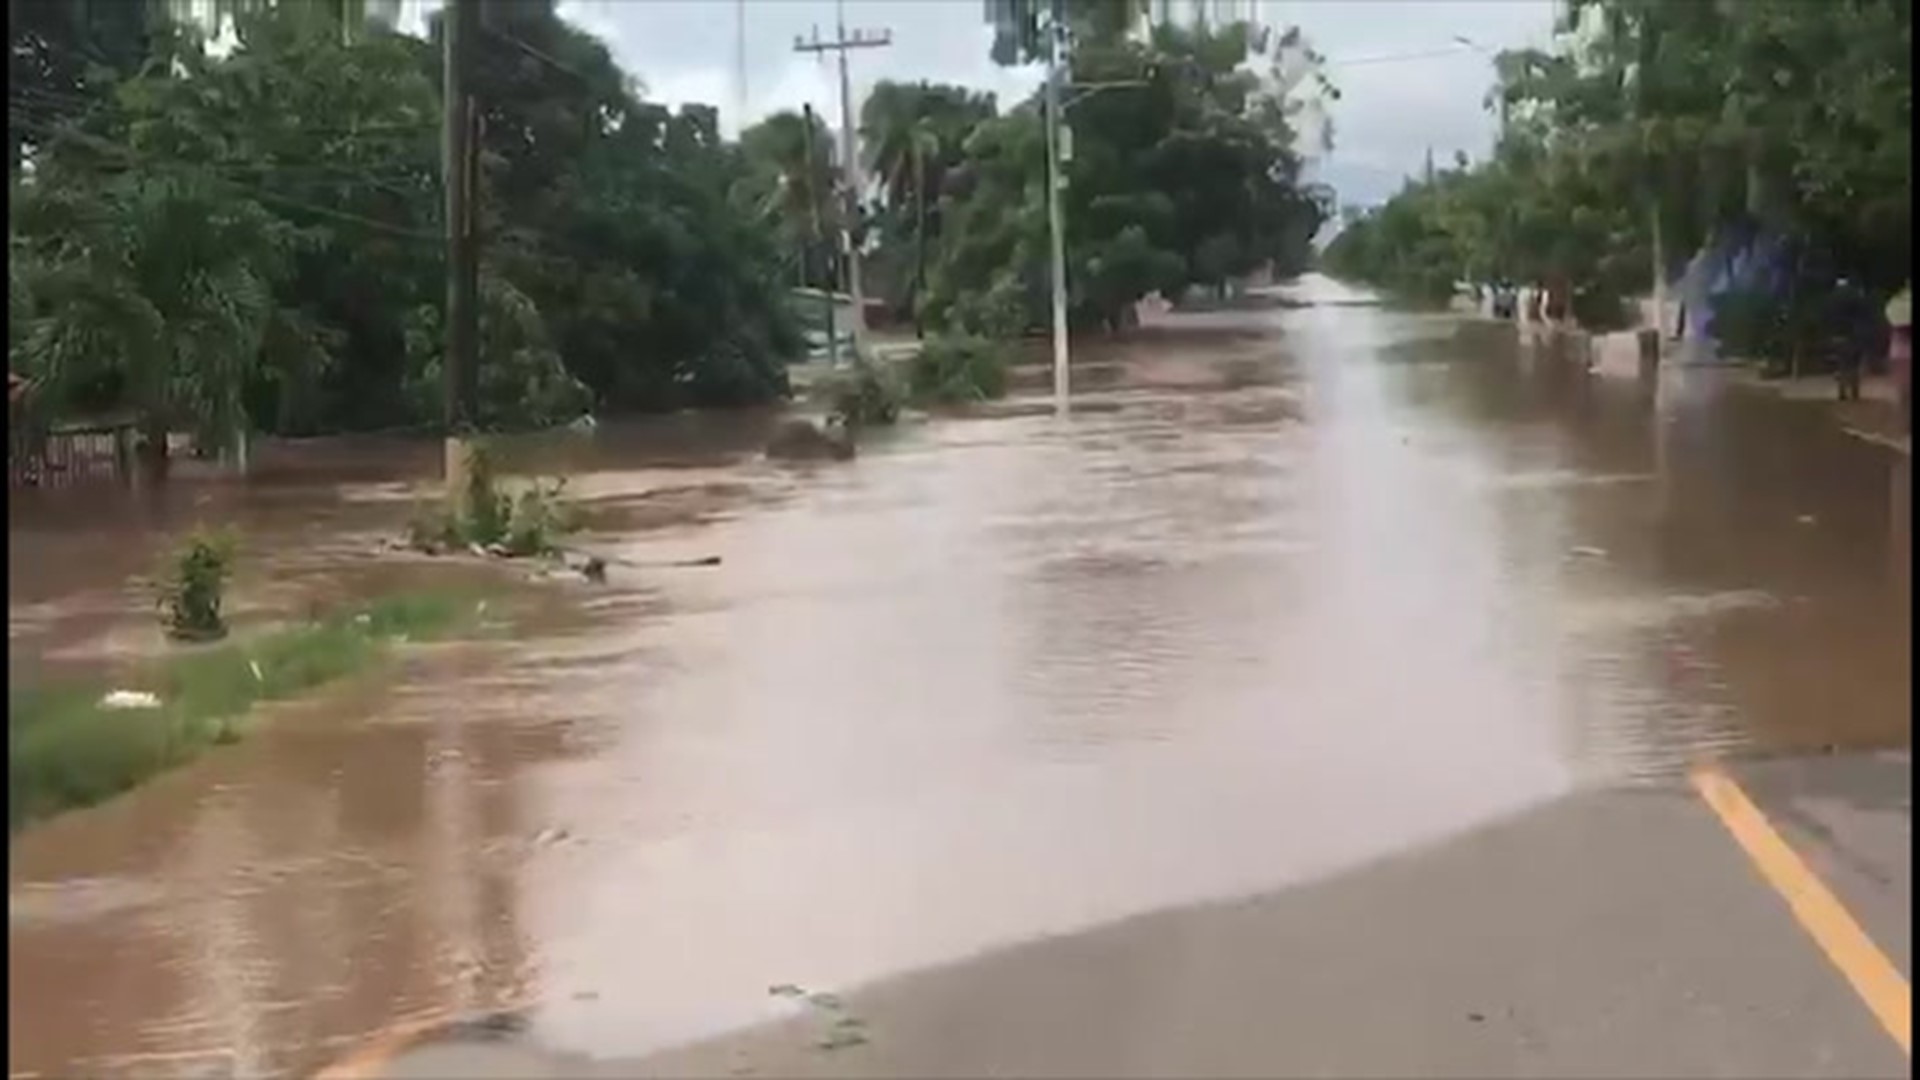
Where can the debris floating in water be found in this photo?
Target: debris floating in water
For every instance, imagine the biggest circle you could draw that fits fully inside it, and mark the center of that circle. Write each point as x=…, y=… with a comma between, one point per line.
x=130, y=699
x=841, y=1039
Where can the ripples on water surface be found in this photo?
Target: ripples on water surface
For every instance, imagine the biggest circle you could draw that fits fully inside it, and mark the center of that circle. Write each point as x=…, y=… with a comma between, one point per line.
x=1372, y=580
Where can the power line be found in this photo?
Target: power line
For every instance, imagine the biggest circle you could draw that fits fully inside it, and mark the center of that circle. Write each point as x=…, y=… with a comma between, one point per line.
x=377, y=177
x=1395, y=58
x=188, y=168
x=37, y=97
x=520, y=44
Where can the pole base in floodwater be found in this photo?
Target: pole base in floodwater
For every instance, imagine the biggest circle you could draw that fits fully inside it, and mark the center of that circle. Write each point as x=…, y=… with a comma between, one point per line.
x=459, y=471
x=1648, y=352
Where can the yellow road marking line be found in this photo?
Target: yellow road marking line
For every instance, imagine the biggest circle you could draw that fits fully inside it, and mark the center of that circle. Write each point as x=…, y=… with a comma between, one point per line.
x=371, y=1057
x=1874, y=977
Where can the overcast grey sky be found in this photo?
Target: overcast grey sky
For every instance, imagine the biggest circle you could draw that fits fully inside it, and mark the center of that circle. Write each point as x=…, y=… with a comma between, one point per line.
x=1390, y=113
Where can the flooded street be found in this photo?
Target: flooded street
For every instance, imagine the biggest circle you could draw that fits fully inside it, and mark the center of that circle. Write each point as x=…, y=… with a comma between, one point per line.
x=1298, y=591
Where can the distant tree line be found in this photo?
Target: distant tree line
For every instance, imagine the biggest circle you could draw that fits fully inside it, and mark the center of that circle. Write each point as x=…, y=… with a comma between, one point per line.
x=1653, y=127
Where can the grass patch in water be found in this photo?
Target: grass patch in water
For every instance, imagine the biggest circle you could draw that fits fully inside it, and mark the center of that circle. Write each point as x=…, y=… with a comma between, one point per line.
x=66, y=749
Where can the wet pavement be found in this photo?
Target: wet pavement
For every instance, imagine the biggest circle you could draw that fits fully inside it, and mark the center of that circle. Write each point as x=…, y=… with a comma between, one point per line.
x=1318, y=699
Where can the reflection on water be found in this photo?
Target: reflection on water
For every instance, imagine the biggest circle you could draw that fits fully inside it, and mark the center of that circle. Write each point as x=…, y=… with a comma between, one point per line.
x=995, y=679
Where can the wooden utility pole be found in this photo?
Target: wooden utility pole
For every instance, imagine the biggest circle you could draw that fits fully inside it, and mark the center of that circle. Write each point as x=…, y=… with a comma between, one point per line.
x=813, y=218
x=849, y=151
x=458, y=169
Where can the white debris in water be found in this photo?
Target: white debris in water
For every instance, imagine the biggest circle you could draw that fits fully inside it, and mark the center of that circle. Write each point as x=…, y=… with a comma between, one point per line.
x=1589, y=552
x=130, y=699
x=1805, y=519
x=254, y=666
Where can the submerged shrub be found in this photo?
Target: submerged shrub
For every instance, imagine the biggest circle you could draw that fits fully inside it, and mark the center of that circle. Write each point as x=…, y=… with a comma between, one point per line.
x=539, y=519
x=191, y=599
x=529, y=521
x=863, y=395
x=958, y=368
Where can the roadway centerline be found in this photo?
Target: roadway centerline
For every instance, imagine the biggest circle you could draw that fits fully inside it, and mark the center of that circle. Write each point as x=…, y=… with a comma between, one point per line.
x=1873, y=976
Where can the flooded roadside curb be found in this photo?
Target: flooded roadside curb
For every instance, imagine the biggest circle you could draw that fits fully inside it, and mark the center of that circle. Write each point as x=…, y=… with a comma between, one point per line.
x=74, y=744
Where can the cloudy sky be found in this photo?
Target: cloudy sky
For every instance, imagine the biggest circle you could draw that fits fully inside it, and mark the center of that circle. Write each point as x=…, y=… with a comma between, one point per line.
x=1407, y=81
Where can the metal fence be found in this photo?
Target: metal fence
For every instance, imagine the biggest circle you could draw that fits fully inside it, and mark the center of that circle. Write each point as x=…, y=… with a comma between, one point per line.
x=64, y=454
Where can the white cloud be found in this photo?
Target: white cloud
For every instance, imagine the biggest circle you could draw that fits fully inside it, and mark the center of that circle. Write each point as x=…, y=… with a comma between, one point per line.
x=1389, y=114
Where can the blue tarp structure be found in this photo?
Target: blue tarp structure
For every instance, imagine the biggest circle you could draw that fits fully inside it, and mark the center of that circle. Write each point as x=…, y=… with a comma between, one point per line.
x=1737, y=259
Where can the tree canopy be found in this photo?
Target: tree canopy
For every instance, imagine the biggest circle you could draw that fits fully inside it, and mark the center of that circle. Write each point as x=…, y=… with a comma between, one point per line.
x=252, y=237
x=1184, y=171
x=271, y=221
x=1650, y=127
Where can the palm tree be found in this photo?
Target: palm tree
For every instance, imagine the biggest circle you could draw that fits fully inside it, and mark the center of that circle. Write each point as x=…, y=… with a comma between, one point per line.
x=913, y=134
x=161, y=283
x=789, y=181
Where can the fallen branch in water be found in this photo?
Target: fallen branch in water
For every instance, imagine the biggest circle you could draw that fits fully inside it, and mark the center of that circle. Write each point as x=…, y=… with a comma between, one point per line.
x=594, y=567
x=640, y=564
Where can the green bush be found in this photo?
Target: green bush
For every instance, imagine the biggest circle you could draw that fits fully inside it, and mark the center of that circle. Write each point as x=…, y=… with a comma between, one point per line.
x=191, y=598
x=486, y=510
x=1751, y=324
x=862, y=395
x=539, y=519
x=528, y=522
x=433, y=529
x=958, y=368
x=522, y=382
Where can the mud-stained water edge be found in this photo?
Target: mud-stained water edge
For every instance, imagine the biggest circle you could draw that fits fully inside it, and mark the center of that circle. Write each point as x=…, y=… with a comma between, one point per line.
x=1301, y=586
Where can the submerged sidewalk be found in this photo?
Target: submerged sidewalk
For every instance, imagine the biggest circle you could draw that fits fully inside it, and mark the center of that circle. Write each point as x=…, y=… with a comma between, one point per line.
x=1875, y=417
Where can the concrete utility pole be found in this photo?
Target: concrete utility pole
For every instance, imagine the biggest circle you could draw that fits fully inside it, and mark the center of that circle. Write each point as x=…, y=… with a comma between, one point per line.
x=849, y=150
x=458, y=164
x=1056, y=215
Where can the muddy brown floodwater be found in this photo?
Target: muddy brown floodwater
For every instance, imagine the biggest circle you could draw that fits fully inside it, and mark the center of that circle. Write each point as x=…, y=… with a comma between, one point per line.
x=1298, y=587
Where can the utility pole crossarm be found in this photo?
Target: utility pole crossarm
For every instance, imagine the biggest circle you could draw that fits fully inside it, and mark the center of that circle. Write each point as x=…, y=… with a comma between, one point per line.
x=858, y=41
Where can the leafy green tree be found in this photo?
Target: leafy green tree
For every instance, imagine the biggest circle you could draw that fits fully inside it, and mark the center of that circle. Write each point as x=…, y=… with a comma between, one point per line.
x=914, y=136
x=1184, y=174
x=159, y=286
x=615, y=258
